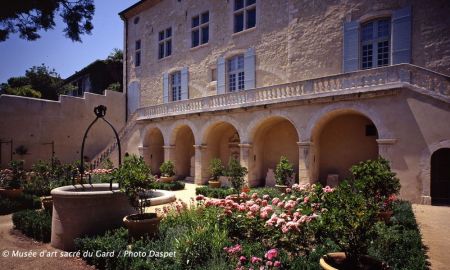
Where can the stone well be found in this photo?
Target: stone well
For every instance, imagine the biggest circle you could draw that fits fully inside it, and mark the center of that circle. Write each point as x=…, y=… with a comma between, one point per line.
x=84, y=210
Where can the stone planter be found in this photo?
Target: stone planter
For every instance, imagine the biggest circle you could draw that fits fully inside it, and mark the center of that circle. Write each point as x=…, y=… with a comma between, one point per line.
x=214, y=184
x=385, y=216
x=281, y=188
x=47, y=203
x=85, y=211
x=11, y=193
x=166, y=179
x=142, y=225
x=338, y=261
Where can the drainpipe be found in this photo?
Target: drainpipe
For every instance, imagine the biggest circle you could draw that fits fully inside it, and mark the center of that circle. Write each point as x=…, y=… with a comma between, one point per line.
x=125, y=63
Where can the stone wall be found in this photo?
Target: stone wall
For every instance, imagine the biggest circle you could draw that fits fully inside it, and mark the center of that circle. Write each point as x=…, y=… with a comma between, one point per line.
x=294, y=40
x=35, y=123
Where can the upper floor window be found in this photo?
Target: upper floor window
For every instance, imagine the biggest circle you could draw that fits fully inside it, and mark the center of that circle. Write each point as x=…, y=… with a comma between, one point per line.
x=236, y=74
x=375, y=43
x=165, y=43
x=175, y=85
x=244, y=14
x=200, y=29
x=137, y=53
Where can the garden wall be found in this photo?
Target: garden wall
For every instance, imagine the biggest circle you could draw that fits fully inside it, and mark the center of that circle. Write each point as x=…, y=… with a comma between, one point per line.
x=35, y=123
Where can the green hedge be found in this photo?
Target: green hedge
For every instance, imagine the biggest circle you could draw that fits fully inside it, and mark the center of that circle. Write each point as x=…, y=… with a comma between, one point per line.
x=221, y=193
x=400, y=243
x=176, y=185
x=34, y=224
x=25, y=201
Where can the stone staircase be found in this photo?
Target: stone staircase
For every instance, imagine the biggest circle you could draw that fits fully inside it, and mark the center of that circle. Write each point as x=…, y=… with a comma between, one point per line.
x=112, y=147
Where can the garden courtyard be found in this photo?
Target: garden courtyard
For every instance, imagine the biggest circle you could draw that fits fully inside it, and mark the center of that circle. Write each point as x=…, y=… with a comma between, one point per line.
x=209, y=227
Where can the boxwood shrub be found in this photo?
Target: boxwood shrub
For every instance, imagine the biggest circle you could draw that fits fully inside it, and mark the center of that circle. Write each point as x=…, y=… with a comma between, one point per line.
x=25, y=201
x=176, y=185
x=34, y=224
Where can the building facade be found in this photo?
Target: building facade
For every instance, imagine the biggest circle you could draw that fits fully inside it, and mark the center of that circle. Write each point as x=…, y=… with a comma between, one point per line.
x=325, y=83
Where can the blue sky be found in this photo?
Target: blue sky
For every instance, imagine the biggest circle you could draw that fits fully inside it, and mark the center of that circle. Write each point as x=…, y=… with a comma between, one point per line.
x=58, y=52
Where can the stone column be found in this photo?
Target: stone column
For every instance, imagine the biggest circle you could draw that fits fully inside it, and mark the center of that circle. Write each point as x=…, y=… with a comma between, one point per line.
x=384, y=148
x=199, y=156
x=169, y=152
x=304, y=162
x=245, y=162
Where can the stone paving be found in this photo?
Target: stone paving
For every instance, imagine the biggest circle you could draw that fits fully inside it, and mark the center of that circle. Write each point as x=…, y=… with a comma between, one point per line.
x=434, y=222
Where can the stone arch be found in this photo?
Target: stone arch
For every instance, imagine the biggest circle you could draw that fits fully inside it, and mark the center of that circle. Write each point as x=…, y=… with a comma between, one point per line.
x=209, y=125
x=222, y=141
x=173, y=129
x=425, y=169
x=152, y=148
x=370, y=113
x=271, y=137
x=248, y=134
x=340, y=139
x=182, y=141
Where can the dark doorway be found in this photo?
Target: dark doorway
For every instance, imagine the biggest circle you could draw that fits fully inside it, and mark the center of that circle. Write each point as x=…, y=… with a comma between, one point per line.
x=440, y=177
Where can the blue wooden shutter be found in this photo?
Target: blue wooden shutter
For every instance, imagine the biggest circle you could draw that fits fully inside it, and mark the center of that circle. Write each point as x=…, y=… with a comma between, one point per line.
x=249, y=68
x=401, y=36
x=133, y=94
x=165, y=87
x=351, y=46
x=184, y=83
x=221, y=75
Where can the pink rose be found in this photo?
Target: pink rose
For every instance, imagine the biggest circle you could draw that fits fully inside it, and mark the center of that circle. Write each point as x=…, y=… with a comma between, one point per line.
x=277, y=264
x=305, y=200
x=288, y=190
x=273, y=253
x=285, y=229
x=263, y=215
x=264, y=202
x=254, y=196
x=275, y=201
x=242, y=259
x=266, y=197
x=200, y=197
x=255, y=260
x=254, y=208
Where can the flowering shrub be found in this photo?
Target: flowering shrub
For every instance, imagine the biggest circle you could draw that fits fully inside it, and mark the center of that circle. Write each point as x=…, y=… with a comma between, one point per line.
x=269, y=261
x=284, y=171
x=14, y=176
x=286, y=221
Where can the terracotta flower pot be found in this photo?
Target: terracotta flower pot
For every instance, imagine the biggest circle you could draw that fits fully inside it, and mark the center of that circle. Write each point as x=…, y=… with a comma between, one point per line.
x=47, y=203
x=281, y=188
x=166, y=179
x=338, y=261
x=142, y=225
x=385, y=215
x=214, y=184
x=11, y=193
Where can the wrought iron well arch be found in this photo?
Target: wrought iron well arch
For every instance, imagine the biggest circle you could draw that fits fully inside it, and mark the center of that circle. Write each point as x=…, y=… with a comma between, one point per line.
x=100, y=112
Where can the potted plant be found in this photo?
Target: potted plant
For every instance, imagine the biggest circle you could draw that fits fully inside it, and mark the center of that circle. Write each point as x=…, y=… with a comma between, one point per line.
x=283, y=174
x=167, y=171
x=236, y=173
x=135, y=181
x=349, y=222
x=12, y=179
x=375, y=180
x=216, y=170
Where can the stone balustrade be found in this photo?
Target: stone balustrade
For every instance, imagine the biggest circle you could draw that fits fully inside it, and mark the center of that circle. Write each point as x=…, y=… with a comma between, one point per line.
x=384, y=78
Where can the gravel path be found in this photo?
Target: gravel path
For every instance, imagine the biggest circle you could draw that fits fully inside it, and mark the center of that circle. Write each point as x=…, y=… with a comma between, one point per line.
x=434, y=222
x=12, y=240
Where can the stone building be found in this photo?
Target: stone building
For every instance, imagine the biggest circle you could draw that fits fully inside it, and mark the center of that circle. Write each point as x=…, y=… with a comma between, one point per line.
x=325, y=83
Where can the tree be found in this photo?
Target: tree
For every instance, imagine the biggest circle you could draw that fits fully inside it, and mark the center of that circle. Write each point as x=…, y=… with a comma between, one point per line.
x=28, y=17
x=115, y=56
x=39, y=81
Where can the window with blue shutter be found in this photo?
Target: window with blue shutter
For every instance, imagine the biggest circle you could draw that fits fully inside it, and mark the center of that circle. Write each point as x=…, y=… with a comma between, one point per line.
x=351, y=44
x=221, y=76
x=184, y=83
x=249, y=68
x=165, y=87
x=401, y=36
